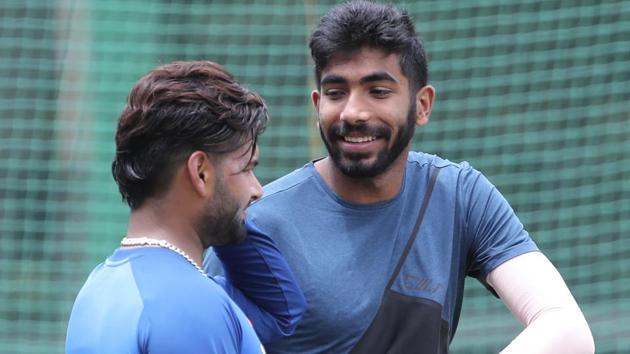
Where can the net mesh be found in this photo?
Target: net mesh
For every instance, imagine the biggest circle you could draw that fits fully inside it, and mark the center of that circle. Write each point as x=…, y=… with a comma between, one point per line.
x=533, y=93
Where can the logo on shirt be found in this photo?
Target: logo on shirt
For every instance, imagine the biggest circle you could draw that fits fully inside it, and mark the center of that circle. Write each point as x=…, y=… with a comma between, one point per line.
x=420, y=284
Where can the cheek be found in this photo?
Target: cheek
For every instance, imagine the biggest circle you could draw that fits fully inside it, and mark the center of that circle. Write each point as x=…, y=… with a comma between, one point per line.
x=399, y=115
x=327, y=114
x=242, y=185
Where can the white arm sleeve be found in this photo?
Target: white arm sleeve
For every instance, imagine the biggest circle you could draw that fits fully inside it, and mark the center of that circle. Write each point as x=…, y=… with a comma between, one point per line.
x=534, y=291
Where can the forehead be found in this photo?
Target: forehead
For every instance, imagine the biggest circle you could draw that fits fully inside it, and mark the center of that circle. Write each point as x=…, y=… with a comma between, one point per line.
x=244, y=153
x=364, y=62
x=241, y=157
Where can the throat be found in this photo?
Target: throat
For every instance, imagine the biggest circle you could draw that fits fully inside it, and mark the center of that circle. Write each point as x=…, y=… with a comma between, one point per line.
x=381, y=188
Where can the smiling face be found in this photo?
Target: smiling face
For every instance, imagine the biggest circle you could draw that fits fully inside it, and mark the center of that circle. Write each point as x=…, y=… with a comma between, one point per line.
x=366, y=112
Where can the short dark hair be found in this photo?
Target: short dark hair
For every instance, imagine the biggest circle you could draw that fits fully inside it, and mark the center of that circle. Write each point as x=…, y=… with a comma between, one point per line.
x=171, y=112
x=362, y=24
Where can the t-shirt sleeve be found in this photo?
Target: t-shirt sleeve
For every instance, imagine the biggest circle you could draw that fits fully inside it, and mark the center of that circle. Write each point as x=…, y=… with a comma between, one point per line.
x=259, y=280
x=493, y=231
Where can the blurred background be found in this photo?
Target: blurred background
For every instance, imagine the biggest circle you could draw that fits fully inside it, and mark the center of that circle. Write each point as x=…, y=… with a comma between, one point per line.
x=533, y=93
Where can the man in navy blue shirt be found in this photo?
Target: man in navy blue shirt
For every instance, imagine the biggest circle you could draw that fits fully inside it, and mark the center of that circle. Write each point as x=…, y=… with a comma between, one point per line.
x=381, y=238
x=185, y=156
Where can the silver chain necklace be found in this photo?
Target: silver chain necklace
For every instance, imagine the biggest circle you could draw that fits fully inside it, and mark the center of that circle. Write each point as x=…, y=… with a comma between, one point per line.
x=145, y=241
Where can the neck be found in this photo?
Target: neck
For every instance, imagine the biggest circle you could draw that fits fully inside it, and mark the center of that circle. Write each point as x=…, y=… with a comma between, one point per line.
x=364, y=190
x=153, y=222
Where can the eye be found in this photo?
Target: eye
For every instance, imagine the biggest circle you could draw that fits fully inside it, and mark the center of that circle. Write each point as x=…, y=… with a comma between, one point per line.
x=250, y=167
x=380, y=92
x=246, y=170
x=334, y=94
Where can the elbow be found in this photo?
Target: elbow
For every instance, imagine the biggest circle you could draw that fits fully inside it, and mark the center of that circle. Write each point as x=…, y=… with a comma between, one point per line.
x=299, y=312
x=280, y=325
x=557, y=331
x=288, y=323
x=573, y=335
x=583, y=342
x=296, y=307
x=577, y=333
x=586, y=341
x=578, y=339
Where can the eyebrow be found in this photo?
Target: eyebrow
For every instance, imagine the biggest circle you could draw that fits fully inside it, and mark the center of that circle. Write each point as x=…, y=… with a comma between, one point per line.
x=377, y=76
x=251, y=164
x=333, y=79
x=252, y=161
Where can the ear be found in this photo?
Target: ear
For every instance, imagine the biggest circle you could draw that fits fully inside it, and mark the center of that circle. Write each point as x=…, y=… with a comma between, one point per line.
x=201, y=173
x=424, y=104
x=315, y=96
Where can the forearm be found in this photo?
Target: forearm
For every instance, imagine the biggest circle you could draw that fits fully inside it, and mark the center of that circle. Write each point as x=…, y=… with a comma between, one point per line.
x=536, y=294
x=259, y=280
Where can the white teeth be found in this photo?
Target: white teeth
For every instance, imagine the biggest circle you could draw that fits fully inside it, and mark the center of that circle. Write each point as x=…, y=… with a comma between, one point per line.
x=358, y=139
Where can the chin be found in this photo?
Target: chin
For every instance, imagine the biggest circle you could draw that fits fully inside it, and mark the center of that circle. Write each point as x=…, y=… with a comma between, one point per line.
x=234, y=235
x=355, y=169
x=238, y=236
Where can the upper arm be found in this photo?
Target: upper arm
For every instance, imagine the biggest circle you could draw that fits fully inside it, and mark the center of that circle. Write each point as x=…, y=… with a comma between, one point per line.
x=530, y=285
x=534, y=291
x=493, y=231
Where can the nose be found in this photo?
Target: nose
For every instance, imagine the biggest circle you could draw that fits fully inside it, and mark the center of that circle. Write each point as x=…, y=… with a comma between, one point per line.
x=256, y=189
x=354, y=111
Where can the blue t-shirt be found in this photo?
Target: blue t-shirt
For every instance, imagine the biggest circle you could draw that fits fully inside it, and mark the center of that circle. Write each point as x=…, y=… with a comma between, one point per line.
x=343, y=253
x=152, y=300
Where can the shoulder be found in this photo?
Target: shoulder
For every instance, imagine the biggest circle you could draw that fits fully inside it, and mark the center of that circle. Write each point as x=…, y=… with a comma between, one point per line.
x=417, y=159
x=281, y=195
x=190, y=313
x=170, y=304
x=288, y=182
x=167, y=280
x=452, y=173
x=192, y=300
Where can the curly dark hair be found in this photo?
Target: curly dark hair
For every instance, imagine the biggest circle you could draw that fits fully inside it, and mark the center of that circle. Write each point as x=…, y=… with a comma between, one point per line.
x=354, y=25
x=171, y=112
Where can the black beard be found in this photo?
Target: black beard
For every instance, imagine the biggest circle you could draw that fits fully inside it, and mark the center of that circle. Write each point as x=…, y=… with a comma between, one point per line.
x=220, y=222
x=350, y=164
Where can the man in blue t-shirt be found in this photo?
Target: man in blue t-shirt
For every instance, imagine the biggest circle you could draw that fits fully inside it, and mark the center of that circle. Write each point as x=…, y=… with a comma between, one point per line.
x=185, y=153
x=381, y=238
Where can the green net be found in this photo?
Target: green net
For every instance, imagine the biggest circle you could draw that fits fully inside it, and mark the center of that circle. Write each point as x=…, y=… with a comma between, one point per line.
x=533, y=93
